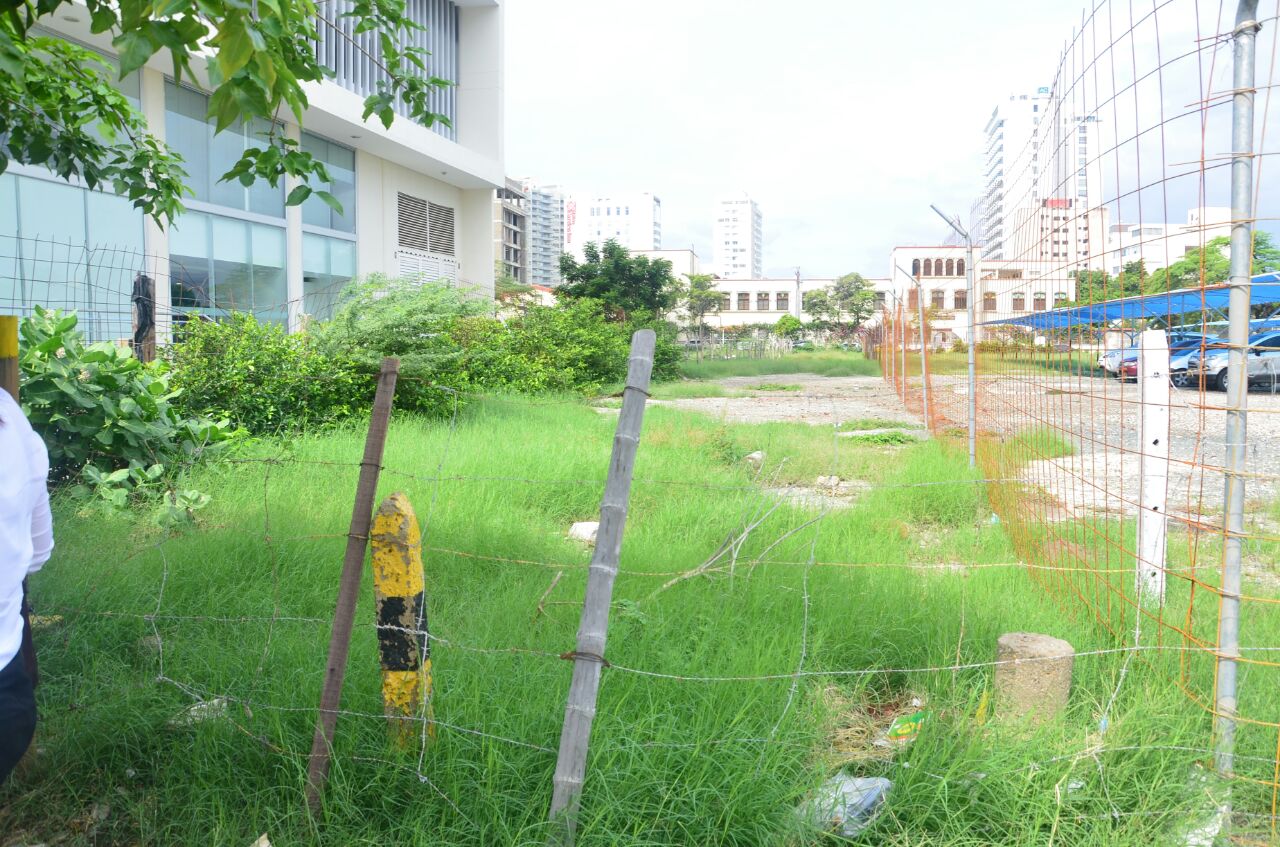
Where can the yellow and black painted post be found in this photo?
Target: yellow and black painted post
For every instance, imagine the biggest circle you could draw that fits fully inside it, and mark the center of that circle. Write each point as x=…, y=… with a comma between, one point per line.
x=404, y=651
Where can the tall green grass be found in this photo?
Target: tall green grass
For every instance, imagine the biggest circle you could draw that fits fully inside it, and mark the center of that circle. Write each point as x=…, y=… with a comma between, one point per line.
x=823, y=363
x=673, y=761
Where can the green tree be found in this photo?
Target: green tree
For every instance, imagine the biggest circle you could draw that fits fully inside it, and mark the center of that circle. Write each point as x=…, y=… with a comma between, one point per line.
x=841, y=307
x=627, y=286
x=854, y=301
x=60, y=106
x=700, y=297
x=1215, y=262
x=789, y=327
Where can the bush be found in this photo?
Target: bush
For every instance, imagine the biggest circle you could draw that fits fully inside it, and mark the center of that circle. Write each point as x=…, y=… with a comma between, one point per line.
x=567, y=347
x=109, y=420
x=262, y=378
x=412, y=321
x=958, y=346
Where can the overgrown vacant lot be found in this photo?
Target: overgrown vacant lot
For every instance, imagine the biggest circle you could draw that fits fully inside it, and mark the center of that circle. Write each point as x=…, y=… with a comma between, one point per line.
x=675, y=759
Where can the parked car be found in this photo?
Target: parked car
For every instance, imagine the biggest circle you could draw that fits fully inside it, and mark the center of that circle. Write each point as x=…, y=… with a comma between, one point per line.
x=1262, y=356
x=803, y=345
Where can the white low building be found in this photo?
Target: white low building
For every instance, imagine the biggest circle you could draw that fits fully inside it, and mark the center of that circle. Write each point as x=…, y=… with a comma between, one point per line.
x=417, y=201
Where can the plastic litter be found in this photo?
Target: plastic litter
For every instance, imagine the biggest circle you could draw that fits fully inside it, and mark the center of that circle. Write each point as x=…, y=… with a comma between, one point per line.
x=846, y=804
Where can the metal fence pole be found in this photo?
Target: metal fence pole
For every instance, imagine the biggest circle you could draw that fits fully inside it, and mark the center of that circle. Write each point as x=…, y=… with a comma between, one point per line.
x=1245, y=34
x=969, y=270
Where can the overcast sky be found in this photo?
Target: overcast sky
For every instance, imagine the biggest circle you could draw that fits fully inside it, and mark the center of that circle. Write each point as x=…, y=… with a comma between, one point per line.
x=844, y=119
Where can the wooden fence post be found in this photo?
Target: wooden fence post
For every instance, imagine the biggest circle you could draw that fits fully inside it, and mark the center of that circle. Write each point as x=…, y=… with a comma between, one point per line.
x=588, y=657
x=349, y=586
x=9, y=354
x=404, y=652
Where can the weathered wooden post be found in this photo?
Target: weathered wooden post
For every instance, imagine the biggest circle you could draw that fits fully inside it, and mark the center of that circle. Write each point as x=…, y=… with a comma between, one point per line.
x=9, y=354
x=588, y=658
x=349, y=586
x=401, y=610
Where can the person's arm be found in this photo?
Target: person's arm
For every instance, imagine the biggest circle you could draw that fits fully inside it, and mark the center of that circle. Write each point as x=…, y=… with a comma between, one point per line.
x=41, y=532
x=41, y=518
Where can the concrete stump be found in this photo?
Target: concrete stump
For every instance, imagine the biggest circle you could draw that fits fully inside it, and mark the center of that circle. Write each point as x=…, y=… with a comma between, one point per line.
x=1035, y=679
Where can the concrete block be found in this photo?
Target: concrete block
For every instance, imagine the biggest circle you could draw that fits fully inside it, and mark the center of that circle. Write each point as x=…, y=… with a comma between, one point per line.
x=1033, y=680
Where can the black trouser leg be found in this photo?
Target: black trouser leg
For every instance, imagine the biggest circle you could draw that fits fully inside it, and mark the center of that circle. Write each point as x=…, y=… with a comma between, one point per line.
x=17, y=715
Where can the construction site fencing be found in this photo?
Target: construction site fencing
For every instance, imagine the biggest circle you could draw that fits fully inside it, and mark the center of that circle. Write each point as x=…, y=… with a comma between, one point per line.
x=1117, y=447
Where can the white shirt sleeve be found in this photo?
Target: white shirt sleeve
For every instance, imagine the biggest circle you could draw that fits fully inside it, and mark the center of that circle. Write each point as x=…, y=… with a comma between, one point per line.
x=41, y=518
x=41, y=532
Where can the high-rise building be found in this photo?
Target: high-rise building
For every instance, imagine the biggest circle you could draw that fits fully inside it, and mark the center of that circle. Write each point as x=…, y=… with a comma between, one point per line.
x=633, y=220
x=546, y=232
x=511, y=231
x=1039, y=155
x=737, y=239
x=417, y=199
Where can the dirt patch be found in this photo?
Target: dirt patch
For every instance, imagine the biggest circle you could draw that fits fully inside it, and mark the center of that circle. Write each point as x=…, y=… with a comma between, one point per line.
x=818, y=400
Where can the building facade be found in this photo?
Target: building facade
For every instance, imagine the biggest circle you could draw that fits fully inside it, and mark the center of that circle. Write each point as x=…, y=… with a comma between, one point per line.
x=737, y=239
x=633, y=220
x=416, y=201
x=546, y=232
x=1158, y=245
x=936, y=275
x=684, y=262
x=1039, y=155
x=511, y=231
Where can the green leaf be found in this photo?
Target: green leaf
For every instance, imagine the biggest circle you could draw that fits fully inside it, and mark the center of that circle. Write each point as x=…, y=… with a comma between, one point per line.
x=235, y=48
x=299, y=194
x=330, y=201
x=134, y=50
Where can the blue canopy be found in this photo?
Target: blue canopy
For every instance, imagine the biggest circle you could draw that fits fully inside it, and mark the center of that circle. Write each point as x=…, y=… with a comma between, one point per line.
x=1265, y=289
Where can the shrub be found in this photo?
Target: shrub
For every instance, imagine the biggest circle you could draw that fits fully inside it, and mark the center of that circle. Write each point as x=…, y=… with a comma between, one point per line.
x=263, y=378
x=567, y=347
x=108, y=419
x=958, y=346
x=412, y=321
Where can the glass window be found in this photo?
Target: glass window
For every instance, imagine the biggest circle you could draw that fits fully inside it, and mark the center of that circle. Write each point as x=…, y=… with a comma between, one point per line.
x=762, y=302
x=218, y=265
x=961, y=300
x=328, y=264
x=341, y=163
x=47, y=260
x=989, y=302
x=939, y=298
x=744, y=301
x=207, y=157
x=783, y=301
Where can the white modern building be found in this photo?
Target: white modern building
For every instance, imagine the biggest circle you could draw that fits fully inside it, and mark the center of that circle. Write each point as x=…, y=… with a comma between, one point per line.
x=737, y=239
x=1039, y=154
x=546, y=232
x=1158, y=245
x=633, y=220
x=416, y=201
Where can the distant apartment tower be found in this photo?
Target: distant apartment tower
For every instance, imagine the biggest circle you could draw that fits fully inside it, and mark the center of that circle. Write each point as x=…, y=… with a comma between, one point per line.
x=1037, y=153
x=546, y=232
x=633, y=220
x=511, y=231
x=737, y=236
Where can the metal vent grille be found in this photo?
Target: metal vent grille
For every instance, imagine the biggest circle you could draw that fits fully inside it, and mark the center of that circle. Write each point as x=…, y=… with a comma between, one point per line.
x=413, y=222
x=441, y=229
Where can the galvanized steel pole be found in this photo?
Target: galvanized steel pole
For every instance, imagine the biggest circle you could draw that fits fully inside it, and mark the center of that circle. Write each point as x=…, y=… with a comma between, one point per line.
x=924, y=368
x=1245, y=35
x=971, y=308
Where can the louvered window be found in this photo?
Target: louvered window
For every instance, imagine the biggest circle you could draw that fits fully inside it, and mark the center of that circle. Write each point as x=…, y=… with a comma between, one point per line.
x=412, y=222
x=441, y=229
x=425, y=226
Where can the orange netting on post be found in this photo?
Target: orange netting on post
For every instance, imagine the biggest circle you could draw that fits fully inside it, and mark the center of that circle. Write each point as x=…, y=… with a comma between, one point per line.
x=1109, y=427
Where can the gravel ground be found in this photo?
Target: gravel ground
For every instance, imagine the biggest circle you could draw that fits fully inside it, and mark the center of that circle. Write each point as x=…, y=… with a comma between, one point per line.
x=1101, y=418
x=821, y=400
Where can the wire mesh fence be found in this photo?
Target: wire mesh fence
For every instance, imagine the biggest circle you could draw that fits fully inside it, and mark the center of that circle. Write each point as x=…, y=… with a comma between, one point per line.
x=1124, y=328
